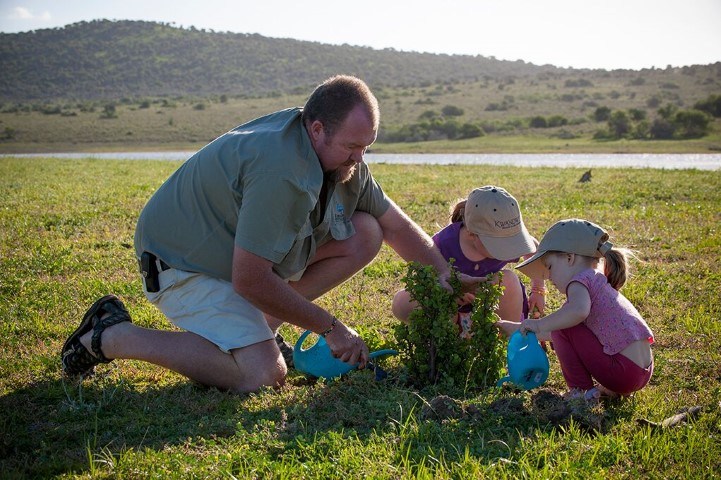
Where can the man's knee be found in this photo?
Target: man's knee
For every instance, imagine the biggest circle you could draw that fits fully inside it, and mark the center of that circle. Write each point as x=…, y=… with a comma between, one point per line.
x=259, y=366
x=368, y=238
x=268, y=377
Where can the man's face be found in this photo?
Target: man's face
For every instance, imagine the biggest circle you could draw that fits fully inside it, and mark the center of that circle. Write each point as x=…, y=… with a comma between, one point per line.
x=341, y=152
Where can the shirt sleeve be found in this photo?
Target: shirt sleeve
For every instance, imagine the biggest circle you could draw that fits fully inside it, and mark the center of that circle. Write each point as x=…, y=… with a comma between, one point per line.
x=273, y=212
x=372, y=197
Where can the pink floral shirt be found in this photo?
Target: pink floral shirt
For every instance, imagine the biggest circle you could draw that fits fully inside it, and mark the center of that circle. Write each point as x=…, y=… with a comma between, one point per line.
x=613, y=319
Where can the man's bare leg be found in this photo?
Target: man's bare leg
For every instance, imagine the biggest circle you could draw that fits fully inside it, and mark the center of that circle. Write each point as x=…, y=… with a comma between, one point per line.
x=188, y=354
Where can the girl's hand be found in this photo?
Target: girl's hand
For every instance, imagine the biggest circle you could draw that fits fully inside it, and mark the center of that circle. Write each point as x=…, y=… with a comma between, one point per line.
x=444, y=281
x=465, y=299
x=470, y=284
x=536, y=304
x=529, y=325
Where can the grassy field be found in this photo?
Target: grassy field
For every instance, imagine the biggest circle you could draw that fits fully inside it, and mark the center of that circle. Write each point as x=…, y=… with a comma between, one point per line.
x=66, y=229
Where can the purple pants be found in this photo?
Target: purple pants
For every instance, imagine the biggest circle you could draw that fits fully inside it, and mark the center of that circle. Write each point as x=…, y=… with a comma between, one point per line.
x=582, y=360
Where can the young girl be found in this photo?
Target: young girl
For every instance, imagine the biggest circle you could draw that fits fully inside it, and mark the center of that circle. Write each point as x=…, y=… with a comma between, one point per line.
x=597, y=334
x=485, y=234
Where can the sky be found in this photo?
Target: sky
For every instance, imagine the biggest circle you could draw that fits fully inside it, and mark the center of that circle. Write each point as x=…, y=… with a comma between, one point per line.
x=606, y=34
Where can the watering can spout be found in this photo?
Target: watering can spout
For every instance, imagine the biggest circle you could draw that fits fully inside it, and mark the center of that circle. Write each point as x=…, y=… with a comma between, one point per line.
x=318, y=361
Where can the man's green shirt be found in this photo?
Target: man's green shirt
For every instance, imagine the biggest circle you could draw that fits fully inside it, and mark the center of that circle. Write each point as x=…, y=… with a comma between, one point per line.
x=256, y=187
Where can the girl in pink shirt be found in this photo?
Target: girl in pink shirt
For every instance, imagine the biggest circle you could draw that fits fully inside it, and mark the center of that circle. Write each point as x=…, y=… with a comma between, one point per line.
x=598, y=335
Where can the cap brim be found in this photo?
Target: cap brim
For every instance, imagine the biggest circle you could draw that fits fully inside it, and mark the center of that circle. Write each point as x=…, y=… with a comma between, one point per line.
x=533, y=267
x=509, y=248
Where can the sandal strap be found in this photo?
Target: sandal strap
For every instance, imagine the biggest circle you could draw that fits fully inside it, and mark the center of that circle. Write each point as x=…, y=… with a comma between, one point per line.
x=118, y=314
x=78, y=361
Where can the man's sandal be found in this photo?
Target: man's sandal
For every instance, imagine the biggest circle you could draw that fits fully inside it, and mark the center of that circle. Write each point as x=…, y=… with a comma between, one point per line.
x=285, y=349
x=76, y=359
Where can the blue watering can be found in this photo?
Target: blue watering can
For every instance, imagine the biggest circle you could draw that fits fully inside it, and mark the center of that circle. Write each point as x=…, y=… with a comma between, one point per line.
x=527, y=362
x=318, y=361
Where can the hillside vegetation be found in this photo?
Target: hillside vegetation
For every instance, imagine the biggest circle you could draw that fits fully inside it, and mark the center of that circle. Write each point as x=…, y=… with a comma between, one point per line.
x=142, y=85
x=107, y=59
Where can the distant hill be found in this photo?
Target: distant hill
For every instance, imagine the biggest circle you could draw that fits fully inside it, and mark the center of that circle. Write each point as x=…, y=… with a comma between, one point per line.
x=106, y=59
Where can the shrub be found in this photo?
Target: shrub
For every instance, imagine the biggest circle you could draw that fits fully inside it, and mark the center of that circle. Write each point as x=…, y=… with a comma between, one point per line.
x=668, y=111
x=8, y=134
x=430, y=344
x=582, y=82
x=691, y=123
x=602, y=114
x=712, y=105
x=469, y=130
x=602, y=134
x=642, y=130
x=653, y=102
x=538, y=122
x=557, y=121
x=51, y=109
x=109, y=111
x=452, y=111
x=428, y=115
x=619, y=124
x=449, y=128
x=662, y=129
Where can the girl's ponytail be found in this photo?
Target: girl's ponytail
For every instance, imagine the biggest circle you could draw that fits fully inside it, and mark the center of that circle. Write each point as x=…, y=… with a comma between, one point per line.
x=457, y=211
x=616, y=266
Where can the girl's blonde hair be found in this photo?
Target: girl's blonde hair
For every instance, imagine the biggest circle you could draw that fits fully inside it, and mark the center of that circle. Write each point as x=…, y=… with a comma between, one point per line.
x=616, y=266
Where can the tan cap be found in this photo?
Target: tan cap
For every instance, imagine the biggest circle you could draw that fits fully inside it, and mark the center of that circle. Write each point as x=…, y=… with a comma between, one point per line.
x=493, y=214
x=572, y=235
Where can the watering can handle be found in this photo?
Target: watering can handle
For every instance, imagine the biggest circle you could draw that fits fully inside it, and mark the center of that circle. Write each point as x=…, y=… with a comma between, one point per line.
x=298, y=344
x=379, y=353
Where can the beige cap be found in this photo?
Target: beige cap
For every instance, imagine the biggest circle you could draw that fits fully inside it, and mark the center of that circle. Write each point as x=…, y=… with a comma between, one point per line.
x=493, y=214
x=572, y=235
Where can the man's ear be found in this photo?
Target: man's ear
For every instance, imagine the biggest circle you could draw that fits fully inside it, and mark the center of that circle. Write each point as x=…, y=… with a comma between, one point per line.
x=316, y=129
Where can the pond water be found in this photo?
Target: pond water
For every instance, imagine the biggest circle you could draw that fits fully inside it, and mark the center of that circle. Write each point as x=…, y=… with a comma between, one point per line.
x=701, y=161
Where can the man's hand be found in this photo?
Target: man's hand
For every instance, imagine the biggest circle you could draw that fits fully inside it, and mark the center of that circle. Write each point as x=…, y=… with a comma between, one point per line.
x=347, y=345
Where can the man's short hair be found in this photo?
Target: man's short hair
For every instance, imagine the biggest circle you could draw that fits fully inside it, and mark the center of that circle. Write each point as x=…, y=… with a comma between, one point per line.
x=333, y=100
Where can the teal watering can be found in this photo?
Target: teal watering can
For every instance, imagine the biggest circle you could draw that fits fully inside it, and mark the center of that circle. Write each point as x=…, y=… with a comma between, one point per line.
x=318, y=361
x=527, y=362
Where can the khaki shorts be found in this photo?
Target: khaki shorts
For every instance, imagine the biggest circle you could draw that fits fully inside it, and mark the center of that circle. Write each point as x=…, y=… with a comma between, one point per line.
x=209, y=307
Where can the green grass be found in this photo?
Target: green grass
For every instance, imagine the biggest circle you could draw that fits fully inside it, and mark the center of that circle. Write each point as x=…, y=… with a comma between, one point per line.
x=66, y=229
